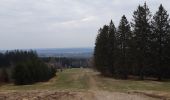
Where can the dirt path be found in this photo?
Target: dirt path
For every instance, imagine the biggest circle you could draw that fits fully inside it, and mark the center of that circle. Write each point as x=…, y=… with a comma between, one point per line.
x=92, y=81
x=99, y=94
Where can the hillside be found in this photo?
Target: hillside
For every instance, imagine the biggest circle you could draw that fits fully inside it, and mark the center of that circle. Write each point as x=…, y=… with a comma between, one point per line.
x=86, y=84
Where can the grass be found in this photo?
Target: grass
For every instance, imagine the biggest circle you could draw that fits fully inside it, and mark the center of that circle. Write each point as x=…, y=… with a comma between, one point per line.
x=133, y=85
x=79, y=80
x=70, y=79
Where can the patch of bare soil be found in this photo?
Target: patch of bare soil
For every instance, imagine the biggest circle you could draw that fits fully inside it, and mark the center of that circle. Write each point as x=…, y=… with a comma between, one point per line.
x=154, y=94
x=105, y=95
x=66, y=95
x=40, y=95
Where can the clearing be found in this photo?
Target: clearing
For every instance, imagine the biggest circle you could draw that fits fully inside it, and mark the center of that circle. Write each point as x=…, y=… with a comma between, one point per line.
x=86, y=84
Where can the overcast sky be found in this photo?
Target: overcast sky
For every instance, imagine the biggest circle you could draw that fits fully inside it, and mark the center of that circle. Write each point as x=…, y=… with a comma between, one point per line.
x=61, y=23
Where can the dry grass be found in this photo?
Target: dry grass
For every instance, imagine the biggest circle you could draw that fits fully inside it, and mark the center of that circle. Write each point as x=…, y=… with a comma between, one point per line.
x=89, y=83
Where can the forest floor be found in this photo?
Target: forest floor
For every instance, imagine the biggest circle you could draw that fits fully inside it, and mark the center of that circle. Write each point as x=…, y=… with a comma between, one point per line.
x=86, y=84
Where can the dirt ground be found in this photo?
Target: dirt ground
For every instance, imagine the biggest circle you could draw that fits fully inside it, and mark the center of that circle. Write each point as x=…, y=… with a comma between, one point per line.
x=66, y=95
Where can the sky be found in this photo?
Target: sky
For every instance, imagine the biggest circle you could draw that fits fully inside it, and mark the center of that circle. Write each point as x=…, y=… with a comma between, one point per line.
x=30, y=24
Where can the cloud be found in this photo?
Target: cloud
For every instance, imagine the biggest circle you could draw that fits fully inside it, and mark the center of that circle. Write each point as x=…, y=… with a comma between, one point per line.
x=61, y=23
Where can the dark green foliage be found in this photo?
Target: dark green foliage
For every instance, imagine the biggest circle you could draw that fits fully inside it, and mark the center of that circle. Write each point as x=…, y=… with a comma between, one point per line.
x=4, y=77
x=160, y=40
x=141, y=30
x=26, y=67
x=143, y=52
x=12, y=57
x=104, y=54
x=124, y=37
x=3, y=60
x=21, y=74
x=101, y=50
x=111, y=48
x=32, y=71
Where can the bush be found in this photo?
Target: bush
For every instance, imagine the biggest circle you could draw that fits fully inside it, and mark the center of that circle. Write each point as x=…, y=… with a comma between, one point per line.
x=32, y=71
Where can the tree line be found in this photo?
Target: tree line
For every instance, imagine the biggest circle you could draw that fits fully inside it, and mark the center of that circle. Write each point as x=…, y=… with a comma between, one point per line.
x=67, y=62
x=23, y=67
x=137, y=48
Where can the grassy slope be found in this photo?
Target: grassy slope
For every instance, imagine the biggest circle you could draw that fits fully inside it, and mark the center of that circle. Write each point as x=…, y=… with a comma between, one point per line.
x=133, y=85
x=71, y=79
x=79, y=79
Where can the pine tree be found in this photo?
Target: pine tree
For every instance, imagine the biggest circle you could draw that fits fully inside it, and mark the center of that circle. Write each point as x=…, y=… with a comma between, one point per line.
x=4, y=77
x=111, y=53
x=161, y=33
x=21, y=74
x=100, y=51
x=143, y=52
x=30, y=69
x=124, y=39
x=142, y=30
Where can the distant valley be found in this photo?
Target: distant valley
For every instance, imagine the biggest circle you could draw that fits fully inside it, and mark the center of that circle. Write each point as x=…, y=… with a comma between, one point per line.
x=66, y=52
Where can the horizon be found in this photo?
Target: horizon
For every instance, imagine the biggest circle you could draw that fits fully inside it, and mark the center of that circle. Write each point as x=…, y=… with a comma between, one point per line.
x=48, y=48
x=60, y=52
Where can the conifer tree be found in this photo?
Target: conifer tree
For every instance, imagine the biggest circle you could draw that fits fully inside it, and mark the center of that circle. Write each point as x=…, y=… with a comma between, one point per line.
x=111, y=49
x=144, y=51
x=161, y=33
x=124, y=37
x=142, y=29
x=21, y=75
x=100, y=51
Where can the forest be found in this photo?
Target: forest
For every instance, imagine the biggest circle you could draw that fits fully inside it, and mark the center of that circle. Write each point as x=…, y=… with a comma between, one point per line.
x=23, y=67
x=139, y=48
x=26, y=67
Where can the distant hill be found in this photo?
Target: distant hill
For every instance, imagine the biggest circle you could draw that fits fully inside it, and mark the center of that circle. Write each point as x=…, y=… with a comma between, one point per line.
x=66, y=52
